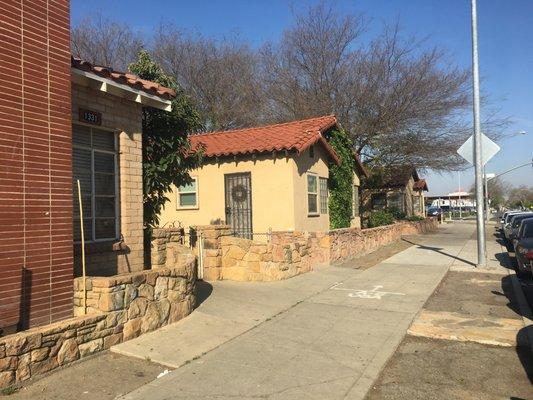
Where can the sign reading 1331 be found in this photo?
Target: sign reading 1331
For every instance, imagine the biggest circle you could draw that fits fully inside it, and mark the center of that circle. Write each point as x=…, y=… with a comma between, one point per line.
x=90, y=117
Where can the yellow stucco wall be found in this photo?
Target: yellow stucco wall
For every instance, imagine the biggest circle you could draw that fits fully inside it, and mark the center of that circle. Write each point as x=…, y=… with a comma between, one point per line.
x=279, y=193
x=304, y=165
x=272, y=193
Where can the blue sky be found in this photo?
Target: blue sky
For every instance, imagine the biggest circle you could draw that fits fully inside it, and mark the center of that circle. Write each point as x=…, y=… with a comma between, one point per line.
x=505, y=43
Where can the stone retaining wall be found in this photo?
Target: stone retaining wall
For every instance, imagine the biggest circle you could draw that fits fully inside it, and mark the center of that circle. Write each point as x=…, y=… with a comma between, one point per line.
x=119, y=308
x=350, y=243
x=291, y=253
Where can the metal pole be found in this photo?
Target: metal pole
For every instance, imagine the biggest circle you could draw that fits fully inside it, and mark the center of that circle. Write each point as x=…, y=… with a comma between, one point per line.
x=460, y=209
x=478, y=163
x=486, y=182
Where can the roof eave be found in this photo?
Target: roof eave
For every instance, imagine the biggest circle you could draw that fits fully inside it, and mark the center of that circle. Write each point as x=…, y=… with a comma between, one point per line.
x=109, y=86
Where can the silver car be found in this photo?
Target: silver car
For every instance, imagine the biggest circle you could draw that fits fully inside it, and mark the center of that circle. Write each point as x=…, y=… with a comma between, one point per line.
x=507, y=228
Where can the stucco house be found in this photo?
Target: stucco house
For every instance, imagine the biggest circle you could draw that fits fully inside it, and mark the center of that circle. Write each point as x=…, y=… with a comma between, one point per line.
x=401, y=189
x=259, y=179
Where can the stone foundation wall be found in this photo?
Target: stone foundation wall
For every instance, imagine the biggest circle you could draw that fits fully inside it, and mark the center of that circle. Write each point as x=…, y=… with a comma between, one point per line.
x=167, y=248
x=288, y=254
x=119, y=308
x=346, y=244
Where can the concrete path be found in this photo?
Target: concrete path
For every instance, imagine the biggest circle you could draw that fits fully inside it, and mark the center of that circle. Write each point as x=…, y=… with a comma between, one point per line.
x=323, y=335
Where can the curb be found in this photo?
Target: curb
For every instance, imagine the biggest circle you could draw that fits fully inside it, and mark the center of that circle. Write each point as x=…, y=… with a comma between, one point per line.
x=525, y=310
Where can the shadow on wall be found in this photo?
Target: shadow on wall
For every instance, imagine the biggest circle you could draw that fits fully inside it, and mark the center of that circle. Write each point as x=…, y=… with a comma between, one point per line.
x=102, y=259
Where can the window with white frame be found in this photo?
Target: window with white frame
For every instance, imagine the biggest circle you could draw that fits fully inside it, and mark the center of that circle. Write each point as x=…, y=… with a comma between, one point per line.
x=94, y=164
x=187, y=196
x=323, y=195
x=312, y=194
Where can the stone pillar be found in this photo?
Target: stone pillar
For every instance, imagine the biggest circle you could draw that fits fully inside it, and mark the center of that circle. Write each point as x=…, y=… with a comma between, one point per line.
x=166, y=242
x=211, y=257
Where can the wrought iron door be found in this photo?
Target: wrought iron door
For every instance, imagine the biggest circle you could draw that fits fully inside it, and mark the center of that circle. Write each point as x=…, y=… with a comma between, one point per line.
x=238, y=194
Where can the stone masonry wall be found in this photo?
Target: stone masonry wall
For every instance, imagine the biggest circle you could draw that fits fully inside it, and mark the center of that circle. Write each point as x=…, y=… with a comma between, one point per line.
x=167, y=248
x=292, y=253
x=119, y=308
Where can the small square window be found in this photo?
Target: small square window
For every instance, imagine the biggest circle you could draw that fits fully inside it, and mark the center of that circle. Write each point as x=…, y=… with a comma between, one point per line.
x=187, y=196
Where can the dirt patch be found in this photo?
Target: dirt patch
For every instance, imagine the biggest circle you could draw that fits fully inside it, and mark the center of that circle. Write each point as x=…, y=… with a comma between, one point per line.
x=475, y=294
x=441, y=369
x=374, y=258
x=103, y=377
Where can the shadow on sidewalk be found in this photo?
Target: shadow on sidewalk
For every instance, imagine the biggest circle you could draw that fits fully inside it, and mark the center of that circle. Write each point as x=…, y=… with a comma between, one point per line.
x=439, y=250
x=203, y=291
x=523, y=350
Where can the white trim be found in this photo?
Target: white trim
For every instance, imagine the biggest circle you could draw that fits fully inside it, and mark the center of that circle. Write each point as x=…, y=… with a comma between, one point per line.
x=317, y=212
x=109, y=86
x=115, y=155
x=196, y=192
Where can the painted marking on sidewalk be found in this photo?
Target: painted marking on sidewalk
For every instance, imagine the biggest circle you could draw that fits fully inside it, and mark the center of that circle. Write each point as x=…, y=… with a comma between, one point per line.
x=365, y=294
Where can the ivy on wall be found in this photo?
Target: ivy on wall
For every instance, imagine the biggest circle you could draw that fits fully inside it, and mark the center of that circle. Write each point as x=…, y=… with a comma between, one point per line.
x=341, y=180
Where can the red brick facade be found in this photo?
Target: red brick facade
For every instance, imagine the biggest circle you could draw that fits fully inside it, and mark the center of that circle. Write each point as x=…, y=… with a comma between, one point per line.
x=35, y=163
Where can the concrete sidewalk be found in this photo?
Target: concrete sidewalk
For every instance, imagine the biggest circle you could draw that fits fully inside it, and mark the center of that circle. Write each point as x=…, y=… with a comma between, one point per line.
x=324, y=335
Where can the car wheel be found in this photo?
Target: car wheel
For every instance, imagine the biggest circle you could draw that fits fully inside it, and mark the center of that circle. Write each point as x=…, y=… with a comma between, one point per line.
x=521, y=271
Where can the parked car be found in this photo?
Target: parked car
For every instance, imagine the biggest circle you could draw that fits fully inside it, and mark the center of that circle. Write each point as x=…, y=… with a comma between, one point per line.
x=434, y=212
x=508, y=222
x=524, y=248
x=515, y=224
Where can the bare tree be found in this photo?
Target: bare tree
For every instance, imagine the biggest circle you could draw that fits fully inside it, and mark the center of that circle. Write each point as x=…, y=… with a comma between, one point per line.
x=221, y=76
x=105, y=42
x=401, y=103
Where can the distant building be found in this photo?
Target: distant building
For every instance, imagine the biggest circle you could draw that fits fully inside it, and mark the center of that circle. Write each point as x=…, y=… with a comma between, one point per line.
x=458, y=199
x=401, y=189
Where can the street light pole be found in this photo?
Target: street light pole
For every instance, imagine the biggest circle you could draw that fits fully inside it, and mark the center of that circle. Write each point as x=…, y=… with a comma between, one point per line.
x=478, y=163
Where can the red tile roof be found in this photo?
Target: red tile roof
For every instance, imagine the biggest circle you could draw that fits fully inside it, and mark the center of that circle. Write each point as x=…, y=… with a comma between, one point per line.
x=124, y=78
x=421, y=185
x=291, y=136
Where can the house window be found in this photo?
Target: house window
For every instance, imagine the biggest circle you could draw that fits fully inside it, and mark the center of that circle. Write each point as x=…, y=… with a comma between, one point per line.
x=188, y=195
x=417, y=204
x=323, y=195
x=94, y=162
x=355, y=202
x=312, y=194
x=379, y=201
x=396, y=202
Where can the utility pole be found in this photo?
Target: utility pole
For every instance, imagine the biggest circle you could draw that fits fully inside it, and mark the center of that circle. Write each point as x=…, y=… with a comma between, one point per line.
x=478, y=162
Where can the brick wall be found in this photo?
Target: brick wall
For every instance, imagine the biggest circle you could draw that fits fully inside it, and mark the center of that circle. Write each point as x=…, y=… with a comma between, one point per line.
x=35, y=163
x=123, y=116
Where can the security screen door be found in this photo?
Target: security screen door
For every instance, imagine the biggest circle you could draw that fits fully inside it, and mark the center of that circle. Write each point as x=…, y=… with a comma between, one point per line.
x=238, y=195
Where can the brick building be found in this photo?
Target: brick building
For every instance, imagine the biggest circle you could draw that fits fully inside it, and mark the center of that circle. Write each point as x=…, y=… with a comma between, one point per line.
x=59, y=115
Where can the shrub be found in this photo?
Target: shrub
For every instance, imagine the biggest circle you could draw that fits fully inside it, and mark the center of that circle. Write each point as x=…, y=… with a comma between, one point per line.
x=396, y=213
x=380, y=218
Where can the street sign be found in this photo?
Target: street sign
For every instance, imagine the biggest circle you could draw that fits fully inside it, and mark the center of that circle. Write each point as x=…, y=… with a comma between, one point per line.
x=488, y=149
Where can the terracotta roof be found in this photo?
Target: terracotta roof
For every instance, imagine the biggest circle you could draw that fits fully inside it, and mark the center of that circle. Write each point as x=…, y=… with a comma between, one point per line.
x=421, y=185
x=291, y=136
x=398, y=176
x=124, y=78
